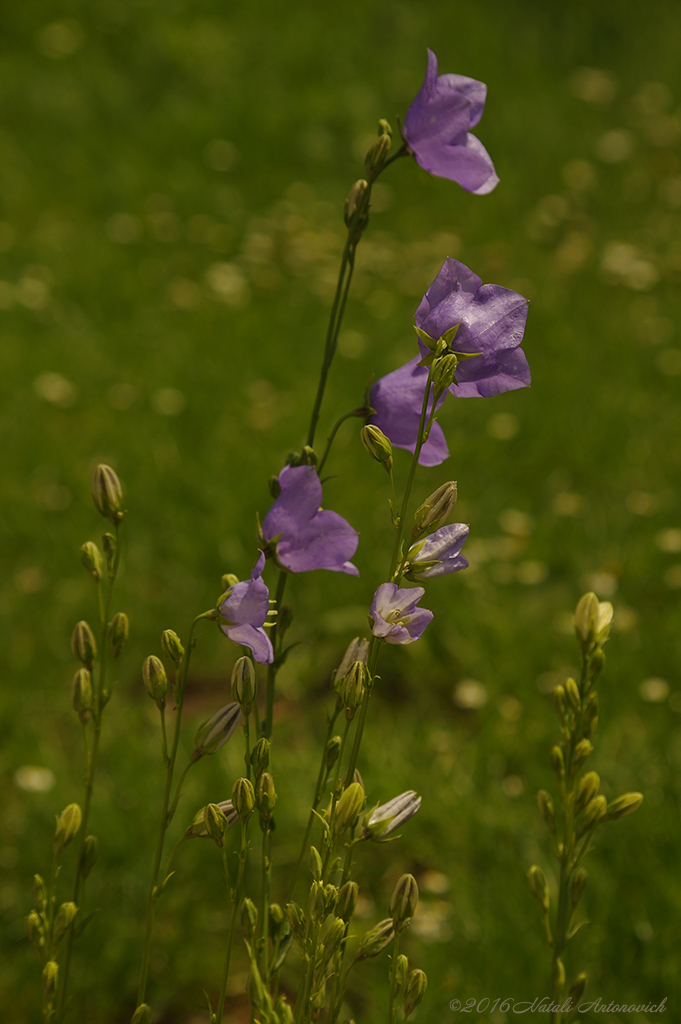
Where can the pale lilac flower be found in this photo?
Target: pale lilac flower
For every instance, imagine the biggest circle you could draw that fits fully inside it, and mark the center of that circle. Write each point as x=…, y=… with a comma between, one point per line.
x=245, y=606
x=439, y=554
x=491, y=323
x=306, y=536
x=388, y=817
x=394, y=616
x=436, y=128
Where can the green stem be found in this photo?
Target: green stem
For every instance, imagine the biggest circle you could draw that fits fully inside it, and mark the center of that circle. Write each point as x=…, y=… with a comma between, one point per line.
x=393, y=979
x=265, y=915
x=235, y=894
x=359, y=412
x=247, y=740
x=272, y=669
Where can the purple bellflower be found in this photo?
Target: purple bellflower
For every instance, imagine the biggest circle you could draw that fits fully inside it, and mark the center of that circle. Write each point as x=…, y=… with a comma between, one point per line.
x=305, y=536
x=490, y=323
x=394, y=615
x=436, y=129
x=244, y=607
x=439, y=554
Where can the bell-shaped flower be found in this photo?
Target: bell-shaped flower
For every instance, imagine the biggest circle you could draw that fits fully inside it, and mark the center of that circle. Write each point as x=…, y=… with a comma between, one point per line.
x=303, y=535
x=394, y=615
x=436, y=129
x=485, y=324
x=387, y=818
x=244, y=608
x=439, y=554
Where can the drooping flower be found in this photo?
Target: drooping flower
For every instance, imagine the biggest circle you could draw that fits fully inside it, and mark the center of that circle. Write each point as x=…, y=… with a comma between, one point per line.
x=489, y=322
x=388, y=817
x=305, y=536
x=244, y=607
x=395, y=616
x=439, y=554
x=436, y=128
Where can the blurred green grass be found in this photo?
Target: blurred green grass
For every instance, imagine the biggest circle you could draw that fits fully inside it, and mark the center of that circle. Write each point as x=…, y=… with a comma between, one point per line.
x=171, y=177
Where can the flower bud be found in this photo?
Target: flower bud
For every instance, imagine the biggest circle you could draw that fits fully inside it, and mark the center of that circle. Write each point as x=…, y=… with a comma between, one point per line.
x=591, y=715
x=172, y=646
x=316, y=901
x=377, y=444
x=436, y=509
x=587, y=787
x=316, y=866
x=593, y=812
x=284, y=1013
x=244, y=684
x=540, y=889
x=155, y=679
x=376, y=939
x=243, y=798
x=260, y=757
x=249, y=916
x=586, y=618
x=68, y=823
x=415, y=990
x=623, y=805
x=347, y=900
x=89, y=857
x=258, y=996
x=39, y=892
x=333, y=938
x=578, y=988
x=276, y=921
x=559, y=701
x=603, y=622
x=35, y=929
x=596, y=664
x=353, y=686
x=444, y=373
x=387, y=818
x=572, y=694
x=227, y=581
x=404, y=901
x=83, y=644
x=557, y=762
x=296, y=918
x=119, y=631
x=580, y=753
x=109, y=545
x=266, y=796
x=142, y=1014
x=215, y=823
x=332, y=752
x=330, y=898
x=349, y=808
x=63, y=920
x=578, y=886
x=401, y=970
x=107, y=493
x=92, y=559
x=357, y=650
x=318, y=996
x=545, y=804
x=355, y=197
x=50, y=975
x=81, y=694
x=214, y=733
x=377, y=156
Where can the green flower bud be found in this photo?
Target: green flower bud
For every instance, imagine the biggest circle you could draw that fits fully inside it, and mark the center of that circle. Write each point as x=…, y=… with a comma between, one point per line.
x=266, y=796
x=35, y=929
x=119, y=631
x=109, y=544
x=578, y=886
x=353, y=686
x=572, y=693
x=623, y=805
x=244, y=684
x=89, y=857
x=277, y=921
x=593, y=812
x=227, y=581
x=586, y=618
x=81, y=694
x=349, y=808
x=591, y=715
x=580, y=753
x=417, y=984
x=63, y=920
x=68, y=823
x=316, y=866
x=347, y=900
x=376, y=939
x=436, y=509
x=50, y=975
x=283, y=1011
x=596, y=664
x=578, y=988
x=559, y=701
x=198, y=829
x=587, y=787
x=83, y=644
x=214, y=733
x=260, y=757
x=355, y=197
x=155, y=679
x=330, y=898
x=404, y=901
x=332, y=752
x=603, y=622
x=296, y=918
x=333, y=938
x=243, y=798
x=545, y=804
x=377, y=156
x=444, y=373
x=557, y=762
x=249, y=916
x=401, y=970
x=215, y=823
x=316, y=901
x=540, y=889
x=258, y=995
x=142, y=1014
x=318, y=996
x=39, y=892
x=357, y=650
x=172, y=645
x=92, y=559
x=107, y=493
x=377, y=444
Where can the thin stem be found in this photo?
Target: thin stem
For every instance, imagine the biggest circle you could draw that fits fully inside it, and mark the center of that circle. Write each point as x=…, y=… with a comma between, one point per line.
x=247, y=740
x=393, y=979
x=265, y=915
x=361, y=411
x=272, y=669
x=235, y=894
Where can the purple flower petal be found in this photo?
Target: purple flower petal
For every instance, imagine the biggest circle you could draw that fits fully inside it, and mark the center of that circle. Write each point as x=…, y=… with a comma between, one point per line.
x=444, y=548
x=254, y=637
x=245, y=606
x=397, y=399
x=396, y=617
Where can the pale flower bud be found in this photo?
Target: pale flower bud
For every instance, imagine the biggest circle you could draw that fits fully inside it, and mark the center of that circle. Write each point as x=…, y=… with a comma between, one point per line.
x=587, y=788
x=68, y=823
x=107, y=493
x=593, y=813
x=155, y=679
x=266, y=796
x=376, y=939
x=436, y=509
x=62, y=922
x=540, y=889
x=243, y=798
x=349, y=807
x=50, y=975
x=244, y=684
x=415, y=990
x=355, y=197
x=119, y=631
x=622, y=806
x=81, y=694
x=404, y=901
x=172, y=646
x=92, y=559
x=377, y=444
x=83, y=644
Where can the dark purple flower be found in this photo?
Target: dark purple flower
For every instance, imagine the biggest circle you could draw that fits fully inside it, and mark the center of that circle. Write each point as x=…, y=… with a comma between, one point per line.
x=491, y=323
x=395, y=617
x=439, y=554
x=436, y=128
x=245, y=606
x=306, y=536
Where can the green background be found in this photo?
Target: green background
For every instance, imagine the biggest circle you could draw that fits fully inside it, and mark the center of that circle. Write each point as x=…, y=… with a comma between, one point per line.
x=171, y=182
